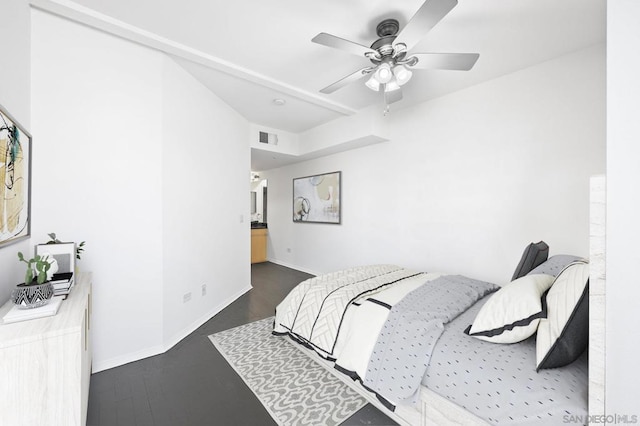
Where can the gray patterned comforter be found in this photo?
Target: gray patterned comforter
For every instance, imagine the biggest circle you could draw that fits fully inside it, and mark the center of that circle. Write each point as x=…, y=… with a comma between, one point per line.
x=402, y=352
x=499, y=382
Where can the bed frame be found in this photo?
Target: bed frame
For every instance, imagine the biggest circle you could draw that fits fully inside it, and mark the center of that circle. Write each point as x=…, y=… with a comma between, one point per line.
x=436, y=410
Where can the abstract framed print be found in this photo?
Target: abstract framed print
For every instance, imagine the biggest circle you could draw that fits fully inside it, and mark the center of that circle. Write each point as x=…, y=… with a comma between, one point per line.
x=316, y=199
x=15, y=180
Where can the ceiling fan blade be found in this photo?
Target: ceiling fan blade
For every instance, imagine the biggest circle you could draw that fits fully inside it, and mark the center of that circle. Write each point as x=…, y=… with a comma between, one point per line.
x=347, y=80
x=429, y=14
x=445, y=61
x=342, y=44
x=393, y=96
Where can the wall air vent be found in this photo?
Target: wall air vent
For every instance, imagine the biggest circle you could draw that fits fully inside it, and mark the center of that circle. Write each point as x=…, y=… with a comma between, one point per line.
x=268, y=138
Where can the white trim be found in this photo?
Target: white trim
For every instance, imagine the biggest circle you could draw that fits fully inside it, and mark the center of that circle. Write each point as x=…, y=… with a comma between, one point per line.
x=175, y=339
x=125, y=359
x=87, y=16
x=296, y=267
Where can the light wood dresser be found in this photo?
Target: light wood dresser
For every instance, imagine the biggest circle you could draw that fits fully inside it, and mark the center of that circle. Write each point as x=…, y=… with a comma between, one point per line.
x=45, y=364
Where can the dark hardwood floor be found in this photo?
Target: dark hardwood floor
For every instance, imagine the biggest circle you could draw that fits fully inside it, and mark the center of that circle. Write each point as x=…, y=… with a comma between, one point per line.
x=192, y=384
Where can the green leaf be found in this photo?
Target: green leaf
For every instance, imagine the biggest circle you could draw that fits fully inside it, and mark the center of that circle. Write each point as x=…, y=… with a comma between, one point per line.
x=42, y=277
x=20, y=256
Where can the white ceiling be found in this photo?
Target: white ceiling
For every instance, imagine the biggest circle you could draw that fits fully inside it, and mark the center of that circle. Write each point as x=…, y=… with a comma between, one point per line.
x=250, y=52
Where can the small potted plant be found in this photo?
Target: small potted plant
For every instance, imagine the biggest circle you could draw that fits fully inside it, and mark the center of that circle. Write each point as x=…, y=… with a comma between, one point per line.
x=67, y=253
x=37, y=289
x=53, y=239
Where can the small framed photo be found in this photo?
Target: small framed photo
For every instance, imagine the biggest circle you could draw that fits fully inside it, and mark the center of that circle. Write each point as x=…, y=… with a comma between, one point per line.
x=63, y=253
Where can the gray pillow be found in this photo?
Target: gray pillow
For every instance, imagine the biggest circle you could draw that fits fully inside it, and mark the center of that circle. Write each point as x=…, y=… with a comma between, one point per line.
x=533, y=255
x=554, y=265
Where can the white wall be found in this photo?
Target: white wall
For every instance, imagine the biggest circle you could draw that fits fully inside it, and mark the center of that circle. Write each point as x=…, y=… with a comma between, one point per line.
x=206, y=167
x=466, y=181
x=623, y=204
x=16, y=63
x=15, y=98
x=128, y=161
x=97, y=110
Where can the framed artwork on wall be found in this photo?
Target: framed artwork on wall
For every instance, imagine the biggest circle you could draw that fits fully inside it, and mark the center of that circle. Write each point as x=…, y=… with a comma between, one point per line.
x=15, y=180
x=316, y=199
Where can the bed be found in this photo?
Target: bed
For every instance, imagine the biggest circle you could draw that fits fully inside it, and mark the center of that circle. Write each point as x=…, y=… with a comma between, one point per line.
x=426, y=347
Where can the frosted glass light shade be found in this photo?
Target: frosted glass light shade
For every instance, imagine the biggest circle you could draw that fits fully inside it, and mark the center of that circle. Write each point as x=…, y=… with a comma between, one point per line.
x=383, y=73
x=402, y=74
x=373, y=84
x=391, y=86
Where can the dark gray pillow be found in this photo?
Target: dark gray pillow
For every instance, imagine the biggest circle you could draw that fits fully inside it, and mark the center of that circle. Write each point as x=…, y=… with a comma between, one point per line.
x=554, y=265
x=534, y=255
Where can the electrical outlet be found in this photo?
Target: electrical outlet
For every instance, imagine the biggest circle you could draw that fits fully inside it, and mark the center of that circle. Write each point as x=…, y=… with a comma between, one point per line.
x=186, y=297
x=204, y=289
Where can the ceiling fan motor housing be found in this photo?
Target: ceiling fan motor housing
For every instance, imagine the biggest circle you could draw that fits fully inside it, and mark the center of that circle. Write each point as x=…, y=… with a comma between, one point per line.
x=388, y=27
x=384, y=46
x=387, y=30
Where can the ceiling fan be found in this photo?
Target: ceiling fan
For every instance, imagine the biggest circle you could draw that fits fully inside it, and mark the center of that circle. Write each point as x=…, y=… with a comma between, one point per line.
x=389, y=54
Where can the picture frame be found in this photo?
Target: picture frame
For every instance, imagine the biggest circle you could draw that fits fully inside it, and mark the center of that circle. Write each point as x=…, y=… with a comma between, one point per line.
x=63, y=253
x=317, y=198
x=15, y=180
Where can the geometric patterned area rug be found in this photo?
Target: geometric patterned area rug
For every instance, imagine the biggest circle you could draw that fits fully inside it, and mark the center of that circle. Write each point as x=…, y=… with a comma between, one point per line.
x=293, y=388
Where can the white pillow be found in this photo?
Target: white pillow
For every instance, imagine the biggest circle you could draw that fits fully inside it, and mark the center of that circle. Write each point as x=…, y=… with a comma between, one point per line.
x=512, y=314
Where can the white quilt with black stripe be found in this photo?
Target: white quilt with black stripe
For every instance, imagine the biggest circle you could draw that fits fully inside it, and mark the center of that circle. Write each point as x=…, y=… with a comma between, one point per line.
x=314, y=311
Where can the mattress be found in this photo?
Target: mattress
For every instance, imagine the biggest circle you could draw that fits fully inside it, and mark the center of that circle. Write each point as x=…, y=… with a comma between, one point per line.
x=499, y=383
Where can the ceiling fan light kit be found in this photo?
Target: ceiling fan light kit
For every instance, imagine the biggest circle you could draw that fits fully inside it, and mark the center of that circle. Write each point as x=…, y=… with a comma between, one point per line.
x=389, y=54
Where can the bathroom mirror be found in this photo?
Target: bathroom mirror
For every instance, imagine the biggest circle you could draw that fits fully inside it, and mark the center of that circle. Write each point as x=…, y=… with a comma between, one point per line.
x=259, y=201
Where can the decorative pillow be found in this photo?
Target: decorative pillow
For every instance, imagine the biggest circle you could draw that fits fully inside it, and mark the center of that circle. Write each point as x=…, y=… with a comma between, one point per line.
x=512, y=314
x=555, y=264
x=533, y=256
x=564, y=334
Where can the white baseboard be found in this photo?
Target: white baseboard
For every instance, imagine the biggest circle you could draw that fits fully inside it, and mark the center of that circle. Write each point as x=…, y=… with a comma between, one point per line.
x=117, y=361
x=299, y=268
x=175, y=339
